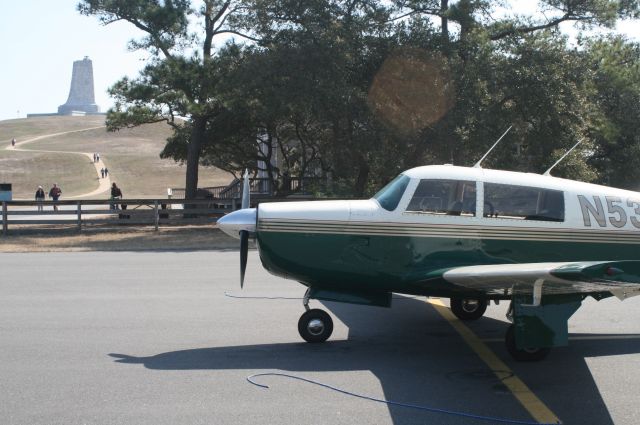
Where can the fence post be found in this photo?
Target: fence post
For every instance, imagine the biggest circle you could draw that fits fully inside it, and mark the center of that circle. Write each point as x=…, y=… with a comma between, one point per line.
x=156, y=213
x=5, y=225
x=79, y=216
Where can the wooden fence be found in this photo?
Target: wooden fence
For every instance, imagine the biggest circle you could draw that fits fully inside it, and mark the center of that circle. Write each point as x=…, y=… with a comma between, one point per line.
x=84, y=213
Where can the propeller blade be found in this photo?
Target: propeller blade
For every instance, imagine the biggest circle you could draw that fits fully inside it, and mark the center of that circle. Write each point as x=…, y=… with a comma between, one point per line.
x=245, y=190
x=244, y=249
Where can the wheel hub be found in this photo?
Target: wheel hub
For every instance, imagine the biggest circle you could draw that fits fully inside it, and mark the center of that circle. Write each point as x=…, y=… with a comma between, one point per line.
x=470, y=306
x=315, y=327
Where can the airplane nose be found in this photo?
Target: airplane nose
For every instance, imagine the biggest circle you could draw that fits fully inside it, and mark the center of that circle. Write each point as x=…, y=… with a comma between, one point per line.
x=239, y=220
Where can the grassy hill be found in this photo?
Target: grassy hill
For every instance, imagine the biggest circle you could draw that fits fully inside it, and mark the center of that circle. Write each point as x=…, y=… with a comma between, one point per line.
x=132, y=156
x=32, y=127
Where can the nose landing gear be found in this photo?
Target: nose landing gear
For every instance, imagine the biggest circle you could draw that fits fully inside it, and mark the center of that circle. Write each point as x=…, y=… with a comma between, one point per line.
x=315, y=325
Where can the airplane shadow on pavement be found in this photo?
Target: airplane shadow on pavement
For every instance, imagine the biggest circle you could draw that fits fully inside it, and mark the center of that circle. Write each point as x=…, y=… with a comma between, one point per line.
x=420, y=359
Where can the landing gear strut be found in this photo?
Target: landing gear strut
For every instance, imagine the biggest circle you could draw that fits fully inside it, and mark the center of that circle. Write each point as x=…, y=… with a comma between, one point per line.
x=468, y=309
x=315, y=325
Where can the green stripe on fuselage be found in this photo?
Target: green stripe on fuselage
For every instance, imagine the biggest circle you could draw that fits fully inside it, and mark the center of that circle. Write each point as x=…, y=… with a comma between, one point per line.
x=409, y=264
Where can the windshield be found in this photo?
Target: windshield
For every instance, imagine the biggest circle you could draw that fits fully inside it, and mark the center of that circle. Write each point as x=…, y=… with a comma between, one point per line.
x=390, y=195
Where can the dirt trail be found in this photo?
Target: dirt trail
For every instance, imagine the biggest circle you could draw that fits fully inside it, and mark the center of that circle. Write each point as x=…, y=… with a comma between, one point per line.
x=104, y=183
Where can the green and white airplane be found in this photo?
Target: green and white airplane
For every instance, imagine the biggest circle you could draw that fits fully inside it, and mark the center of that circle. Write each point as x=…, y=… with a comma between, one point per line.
x=469, y=234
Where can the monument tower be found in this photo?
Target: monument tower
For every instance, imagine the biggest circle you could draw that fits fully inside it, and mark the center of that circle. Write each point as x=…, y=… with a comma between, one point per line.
x=81, y=95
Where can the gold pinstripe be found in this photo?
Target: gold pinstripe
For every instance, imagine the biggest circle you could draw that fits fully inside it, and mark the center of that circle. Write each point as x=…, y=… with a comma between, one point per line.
x=449, y=231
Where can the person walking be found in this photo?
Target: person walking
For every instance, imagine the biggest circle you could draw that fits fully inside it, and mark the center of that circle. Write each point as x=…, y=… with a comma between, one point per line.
x=13, y=142
x=116, y=193
x=106, y=172
x=102, y=172
x=97, y=156
x=40, y=197
x=54, y=194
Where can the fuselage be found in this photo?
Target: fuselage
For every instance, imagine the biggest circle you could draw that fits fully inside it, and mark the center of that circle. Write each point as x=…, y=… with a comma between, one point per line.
x=437, y=217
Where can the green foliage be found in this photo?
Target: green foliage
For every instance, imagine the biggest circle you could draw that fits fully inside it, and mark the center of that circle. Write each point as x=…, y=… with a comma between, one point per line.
x=357, y=91
x=164, y=22
x=615, y=64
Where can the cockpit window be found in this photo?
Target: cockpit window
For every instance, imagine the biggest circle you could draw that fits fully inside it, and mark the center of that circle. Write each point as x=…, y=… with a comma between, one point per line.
x=390, y=195
x=446, y=197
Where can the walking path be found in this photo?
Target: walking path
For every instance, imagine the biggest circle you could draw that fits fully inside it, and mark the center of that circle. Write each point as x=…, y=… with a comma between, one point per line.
x=104, y=184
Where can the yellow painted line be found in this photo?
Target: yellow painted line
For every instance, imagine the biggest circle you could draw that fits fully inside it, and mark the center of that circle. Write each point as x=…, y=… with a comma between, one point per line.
x=536, y=408
x=580, y=338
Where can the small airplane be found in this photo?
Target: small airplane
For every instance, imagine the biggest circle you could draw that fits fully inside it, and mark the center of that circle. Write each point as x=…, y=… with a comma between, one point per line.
x=465, y=233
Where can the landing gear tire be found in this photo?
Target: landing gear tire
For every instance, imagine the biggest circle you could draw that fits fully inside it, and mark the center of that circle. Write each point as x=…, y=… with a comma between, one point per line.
x=468, y=309
x=527, y=354
x=315, y=325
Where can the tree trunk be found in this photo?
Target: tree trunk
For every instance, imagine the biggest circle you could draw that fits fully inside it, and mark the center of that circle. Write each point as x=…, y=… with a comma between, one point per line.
x=363, y=177
x=444, y=7
x=193, y=156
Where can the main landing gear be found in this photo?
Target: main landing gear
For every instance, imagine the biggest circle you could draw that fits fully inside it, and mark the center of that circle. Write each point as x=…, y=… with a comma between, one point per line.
x=315, y=325
x=472, y=309
x=526, y=354
x=468, y=309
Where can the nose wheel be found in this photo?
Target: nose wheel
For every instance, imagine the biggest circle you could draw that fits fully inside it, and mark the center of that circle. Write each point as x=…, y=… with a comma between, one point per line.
x=315, y=325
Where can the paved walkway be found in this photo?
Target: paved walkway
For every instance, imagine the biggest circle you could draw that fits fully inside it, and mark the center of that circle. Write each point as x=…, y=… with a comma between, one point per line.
x=104, y=184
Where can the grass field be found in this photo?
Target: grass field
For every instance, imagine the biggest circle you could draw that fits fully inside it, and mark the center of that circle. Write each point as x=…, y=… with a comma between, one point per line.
x=132, y=156
x=25, y=170
x=32, y=127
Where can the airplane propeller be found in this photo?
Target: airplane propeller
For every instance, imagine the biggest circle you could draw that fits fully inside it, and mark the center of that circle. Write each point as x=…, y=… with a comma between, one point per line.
x=244, y=249
x=244, y=234
x=241, y=224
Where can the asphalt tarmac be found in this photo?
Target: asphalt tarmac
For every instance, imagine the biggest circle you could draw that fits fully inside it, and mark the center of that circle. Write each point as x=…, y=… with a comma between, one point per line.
x=151, y=338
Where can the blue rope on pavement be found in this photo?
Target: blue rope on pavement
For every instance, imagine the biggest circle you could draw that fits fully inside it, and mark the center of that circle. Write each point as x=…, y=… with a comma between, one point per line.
x=252, y=297
x=392, y=403
x=226, y=294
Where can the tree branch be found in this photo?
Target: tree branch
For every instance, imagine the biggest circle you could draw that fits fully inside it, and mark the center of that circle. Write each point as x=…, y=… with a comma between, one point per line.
x=433, y=12
x=257, y=40
x=555, y=22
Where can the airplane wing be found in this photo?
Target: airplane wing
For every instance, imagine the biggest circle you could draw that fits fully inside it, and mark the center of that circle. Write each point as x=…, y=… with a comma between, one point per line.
x=620, y=278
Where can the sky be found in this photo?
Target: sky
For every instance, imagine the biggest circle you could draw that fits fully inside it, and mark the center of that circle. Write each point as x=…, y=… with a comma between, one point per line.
x=42, y=38
x=40, y=41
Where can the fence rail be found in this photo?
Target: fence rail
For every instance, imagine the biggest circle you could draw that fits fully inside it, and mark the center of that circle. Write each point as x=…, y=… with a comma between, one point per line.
x=83, y=213
x=141, y=212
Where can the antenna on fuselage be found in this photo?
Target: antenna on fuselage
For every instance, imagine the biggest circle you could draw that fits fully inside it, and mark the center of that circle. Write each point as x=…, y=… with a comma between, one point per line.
x=491, y=148
x=548, y=172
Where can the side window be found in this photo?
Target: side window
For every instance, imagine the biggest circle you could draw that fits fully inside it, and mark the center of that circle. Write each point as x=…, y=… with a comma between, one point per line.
x=446, y=197
x=523, y=203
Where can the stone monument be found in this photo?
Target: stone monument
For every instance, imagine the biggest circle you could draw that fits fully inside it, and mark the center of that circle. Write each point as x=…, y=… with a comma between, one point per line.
x=81, y=95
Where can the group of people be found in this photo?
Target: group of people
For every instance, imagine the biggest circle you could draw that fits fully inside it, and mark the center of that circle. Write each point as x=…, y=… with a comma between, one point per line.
x=54, y=194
